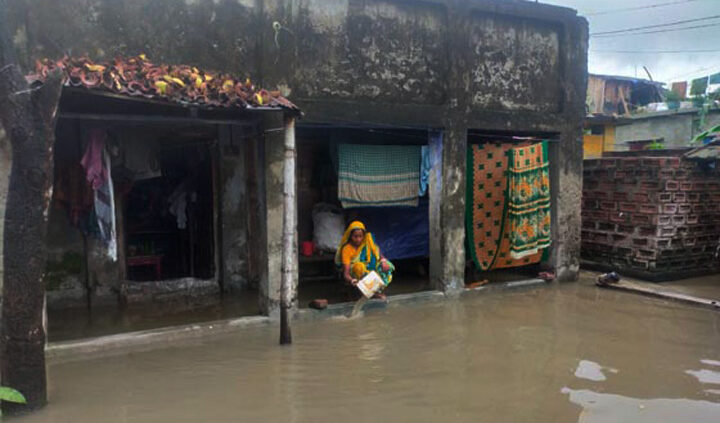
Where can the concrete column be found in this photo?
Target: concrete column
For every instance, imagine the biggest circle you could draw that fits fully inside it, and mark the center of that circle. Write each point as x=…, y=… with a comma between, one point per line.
x=447, y=210
x=270, y=259
x=566, y=159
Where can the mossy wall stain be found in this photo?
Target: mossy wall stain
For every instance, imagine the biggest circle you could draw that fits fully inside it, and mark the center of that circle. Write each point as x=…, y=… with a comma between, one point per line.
x=64, y=272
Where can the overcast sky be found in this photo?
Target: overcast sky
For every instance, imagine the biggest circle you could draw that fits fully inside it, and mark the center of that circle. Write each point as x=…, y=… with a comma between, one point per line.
x=665, y=67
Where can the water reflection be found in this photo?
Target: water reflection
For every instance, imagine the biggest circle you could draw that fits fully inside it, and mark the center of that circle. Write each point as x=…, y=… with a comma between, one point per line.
x=591, y=370
x=600, y=407
x=496, y=357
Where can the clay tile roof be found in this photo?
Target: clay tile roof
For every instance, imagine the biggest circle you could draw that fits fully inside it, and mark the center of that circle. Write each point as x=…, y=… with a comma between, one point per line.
x=138, y=76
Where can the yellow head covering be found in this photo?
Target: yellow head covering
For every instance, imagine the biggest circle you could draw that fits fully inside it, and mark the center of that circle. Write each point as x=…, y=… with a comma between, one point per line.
x=368, y=242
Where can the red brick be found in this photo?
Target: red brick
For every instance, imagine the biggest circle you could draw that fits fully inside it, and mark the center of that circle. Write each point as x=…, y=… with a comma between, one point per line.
x=628, y=207
x=625, y=229
x=606, y=226
x=693, y=197
x=681, y=174
x=620, y=196
x=629, y=162
x=588, y=203
x=601, y=174
x=684, y=208
x=640, y=219
x=600, y=195
x=608, y=205
x=646, y=231
x=699, y=186
x=641, y=197
x=619, y=217
x=693, y=219
x=664, y=220
x=599, y=237
x=649, y=208
x=686, y=186
x=679, y=219
x=664, y=197
x=679, y=197
x=640, y=242
x=666, y=231
x=672, y=185
x=590, y=163
x=621, y=174
x=641, y=263
x=606, y=163
x=669, y=208
x=673, y=162
x=665, y=173
x=649, y=185
x=646, y=254
x=698, y=208
x=650, y=162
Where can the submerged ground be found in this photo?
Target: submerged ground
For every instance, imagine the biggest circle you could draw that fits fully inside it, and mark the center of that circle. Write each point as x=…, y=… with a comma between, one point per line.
x=557, y=353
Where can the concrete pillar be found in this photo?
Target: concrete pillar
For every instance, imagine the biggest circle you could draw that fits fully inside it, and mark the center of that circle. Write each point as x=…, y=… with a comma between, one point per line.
x=270, y=258
x=566, y=158
x=447, y=210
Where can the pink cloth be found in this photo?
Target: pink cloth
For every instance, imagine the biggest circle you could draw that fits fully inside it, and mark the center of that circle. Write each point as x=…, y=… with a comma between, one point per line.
x=92, y=161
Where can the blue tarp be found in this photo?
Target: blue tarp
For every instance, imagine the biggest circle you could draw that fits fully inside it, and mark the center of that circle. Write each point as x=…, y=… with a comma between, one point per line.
x=400, y=232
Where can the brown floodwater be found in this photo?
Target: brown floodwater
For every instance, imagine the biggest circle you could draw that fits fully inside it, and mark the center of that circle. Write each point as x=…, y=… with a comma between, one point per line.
x=559, y=353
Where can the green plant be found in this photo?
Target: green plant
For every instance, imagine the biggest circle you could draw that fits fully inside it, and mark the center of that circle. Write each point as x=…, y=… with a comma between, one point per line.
x=655, y=145
x=11, y=395
x=701, y=136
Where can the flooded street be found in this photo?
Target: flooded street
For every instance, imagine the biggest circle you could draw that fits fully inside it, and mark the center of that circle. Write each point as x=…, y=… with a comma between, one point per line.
x=567, y=353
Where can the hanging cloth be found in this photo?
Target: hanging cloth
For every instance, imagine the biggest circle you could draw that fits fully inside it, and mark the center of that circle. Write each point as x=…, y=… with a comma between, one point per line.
x=92, y=160
x=487, y=234
x=378, y=175
x=528, y=199
x=105, y=209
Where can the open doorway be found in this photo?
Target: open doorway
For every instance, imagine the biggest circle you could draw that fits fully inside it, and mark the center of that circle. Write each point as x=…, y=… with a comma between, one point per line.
x=401, y=231
x=507, y=242
x=169, y=209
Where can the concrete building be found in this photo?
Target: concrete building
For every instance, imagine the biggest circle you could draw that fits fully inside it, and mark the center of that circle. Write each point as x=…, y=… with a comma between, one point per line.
x=374, y=71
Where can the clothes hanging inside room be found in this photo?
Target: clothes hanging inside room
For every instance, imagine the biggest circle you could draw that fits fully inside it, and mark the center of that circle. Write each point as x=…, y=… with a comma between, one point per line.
x=105, y=209
x=378, y=175
x=488, y=234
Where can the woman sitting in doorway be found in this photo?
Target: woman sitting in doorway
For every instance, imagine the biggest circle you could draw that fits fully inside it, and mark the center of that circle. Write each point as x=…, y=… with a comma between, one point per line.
x=357, y=255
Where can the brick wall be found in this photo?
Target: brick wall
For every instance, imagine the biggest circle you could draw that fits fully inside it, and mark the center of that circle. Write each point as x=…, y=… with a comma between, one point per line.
x=651, y=214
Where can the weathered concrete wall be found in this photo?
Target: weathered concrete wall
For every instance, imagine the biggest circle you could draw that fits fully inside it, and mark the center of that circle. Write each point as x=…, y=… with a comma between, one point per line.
x=234, y=210
x=676, y=129
x=372, y=50
x=515, y=63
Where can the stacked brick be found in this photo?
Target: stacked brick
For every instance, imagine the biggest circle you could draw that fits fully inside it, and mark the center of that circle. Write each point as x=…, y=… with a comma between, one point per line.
x=651, y=215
